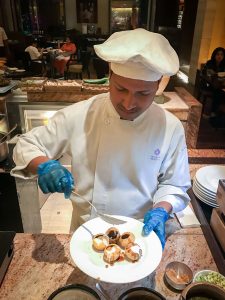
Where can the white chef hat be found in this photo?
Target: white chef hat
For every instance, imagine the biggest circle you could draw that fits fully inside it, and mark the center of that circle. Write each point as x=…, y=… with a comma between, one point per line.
x=139, y=54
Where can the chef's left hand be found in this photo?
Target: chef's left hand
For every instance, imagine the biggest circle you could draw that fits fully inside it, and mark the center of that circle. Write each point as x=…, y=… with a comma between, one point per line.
x=155, y=220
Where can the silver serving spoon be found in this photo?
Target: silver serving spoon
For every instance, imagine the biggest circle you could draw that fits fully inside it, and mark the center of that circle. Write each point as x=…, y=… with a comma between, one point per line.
x=8, y=133
x=107, y=218
x=102, y=291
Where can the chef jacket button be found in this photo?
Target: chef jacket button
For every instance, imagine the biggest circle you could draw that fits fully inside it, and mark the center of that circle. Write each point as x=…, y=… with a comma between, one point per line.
x=107, y=121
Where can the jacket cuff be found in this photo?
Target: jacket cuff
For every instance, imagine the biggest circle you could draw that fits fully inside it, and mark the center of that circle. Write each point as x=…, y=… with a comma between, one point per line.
x=178, y=202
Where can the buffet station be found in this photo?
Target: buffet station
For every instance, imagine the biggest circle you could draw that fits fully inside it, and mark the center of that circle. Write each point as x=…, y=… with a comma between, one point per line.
x=104, y=260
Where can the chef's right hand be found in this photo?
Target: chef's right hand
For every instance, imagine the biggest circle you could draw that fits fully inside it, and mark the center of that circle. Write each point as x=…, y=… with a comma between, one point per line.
x=53, y=177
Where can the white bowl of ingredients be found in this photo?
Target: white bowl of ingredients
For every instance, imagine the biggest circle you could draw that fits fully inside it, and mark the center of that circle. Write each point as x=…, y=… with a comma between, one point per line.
x=210, y=277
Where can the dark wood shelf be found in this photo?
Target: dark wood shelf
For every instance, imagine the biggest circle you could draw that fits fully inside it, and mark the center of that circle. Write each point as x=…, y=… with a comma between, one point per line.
x=203, y=217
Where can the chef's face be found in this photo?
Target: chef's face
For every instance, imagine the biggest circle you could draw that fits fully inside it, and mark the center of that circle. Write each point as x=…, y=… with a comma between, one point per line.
x=131, y=97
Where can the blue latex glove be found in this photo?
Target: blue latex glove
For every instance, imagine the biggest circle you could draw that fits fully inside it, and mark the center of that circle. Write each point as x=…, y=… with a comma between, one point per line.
x=155, y=220
x=53, y=177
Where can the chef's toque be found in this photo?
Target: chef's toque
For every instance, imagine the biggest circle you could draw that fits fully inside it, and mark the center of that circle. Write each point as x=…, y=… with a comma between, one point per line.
x=139, y=54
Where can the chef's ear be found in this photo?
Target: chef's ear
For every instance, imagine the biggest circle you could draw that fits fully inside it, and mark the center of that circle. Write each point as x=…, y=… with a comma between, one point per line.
x=160, y=79
x=110, y=71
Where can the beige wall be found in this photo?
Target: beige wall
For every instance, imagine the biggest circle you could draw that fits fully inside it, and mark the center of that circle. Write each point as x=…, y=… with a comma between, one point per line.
x=209, y=33
x=103, y=15
x=218, y=31
x=71, y=14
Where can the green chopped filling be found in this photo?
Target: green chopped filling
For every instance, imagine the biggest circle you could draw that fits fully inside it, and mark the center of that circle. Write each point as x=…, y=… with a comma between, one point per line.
x=214, y=278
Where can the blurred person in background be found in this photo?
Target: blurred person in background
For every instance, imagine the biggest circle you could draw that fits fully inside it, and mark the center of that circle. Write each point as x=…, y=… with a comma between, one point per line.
x=35, y=54
x=4, y=47
x=216, y=63
x=63, y=55
x=213, y=66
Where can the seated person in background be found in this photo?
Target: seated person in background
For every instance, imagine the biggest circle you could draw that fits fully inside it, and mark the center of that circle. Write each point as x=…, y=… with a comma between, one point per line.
x=4, y=48
x=216, y=63
x=64, y=55
x=33, y=51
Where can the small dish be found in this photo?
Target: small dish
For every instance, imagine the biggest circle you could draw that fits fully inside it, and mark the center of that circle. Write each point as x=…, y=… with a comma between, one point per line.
x=210, y=277
x=221, y=74
x=74, y=291
x=12, y=68
x=141, y=293
x=202, y=290
x=178, y=275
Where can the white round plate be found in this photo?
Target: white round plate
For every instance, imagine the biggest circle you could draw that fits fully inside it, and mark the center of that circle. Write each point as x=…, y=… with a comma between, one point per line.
x=203, y=199
x=20, y=70
x=209, y=176
x=204, y=194
x=91, y=262
x=202, y=188
x=199, y=195
x=206, y=202
x=12, y=69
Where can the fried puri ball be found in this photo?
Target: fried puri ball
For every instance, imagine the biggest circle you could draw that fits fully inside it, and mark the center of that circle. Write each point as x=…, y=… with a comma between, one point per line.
x=133, y=252
x=111, y=253
x=113, y=234
x=126, y=239
x=100, y=241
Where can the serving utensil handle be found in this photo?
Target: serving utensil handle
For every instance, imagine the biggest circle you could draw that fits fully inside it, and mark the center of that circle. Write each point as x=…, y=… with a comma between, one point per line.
x=77, y=194
x=102, y=291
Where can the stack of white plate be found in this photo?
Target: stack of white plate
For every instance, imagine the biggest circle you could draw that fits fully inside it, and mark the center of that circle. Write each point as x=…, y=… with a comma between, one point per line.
x=205, y=183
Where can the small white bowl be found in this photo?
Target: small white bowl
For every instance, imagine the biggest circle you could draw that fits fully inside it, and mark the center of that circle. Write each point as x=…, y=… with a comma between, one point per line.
x=206, y=272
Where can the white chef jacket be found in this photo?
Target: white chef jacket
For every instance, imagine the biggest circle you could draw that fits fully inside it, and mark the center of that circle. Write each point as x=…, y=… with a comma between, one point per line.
x=122, y=166
x=3, y=37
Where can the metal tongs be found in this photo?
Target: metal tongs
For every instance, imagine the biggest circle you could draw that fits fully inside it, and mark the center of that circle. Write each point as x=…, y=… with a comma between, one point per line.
x=107, y=218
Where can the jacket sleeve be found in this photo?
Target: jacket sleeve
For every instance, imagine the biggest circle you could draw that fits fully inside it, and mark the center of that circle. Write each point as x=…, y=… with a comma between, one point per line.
x=174, y=176
x=51, y=141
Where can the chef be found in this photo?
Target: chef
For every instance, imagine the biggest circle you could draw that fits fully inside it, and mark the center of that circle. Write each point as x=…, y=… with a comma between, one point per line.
x=128, y=155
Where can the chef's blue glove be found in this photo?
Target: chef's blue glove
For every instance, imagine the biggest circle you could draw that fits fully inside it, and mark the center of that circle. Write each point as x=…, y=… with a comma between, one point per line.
x=53, y=177
x=155, y=220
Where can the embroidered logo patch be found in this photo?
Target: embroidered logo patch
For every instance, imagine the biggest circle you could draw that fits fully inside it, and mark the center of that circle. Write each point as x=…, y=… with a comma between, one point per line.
x=156, y=155
x=157, y=152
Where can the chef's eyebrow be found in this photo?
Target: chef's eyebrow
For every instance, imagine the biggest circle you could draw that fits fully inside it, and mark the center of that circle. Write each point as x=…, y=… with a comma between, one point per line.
x=122, y=87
